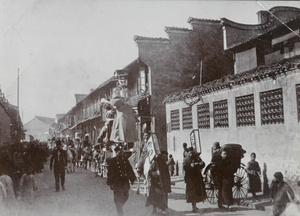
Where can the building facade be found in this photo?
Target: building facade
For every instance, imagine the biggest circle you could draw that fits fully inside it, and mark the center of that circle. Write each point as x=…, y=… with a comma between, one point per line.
x=38, y=128
x=257, y=107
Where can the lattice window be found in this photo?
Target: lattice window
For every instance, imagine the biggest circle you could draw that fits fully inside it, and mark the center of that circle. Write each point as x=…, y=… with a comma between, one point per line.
x=298, y=100
x=245, y=115
x=271, y=106
x=203, y=116
x=175, y=121
x=187, y=118
x=221, y=114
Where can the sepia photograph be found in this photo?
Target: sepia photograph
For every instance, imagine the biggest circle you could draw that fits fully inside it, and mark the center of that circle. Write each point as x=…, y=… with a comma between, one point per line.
x=141, y=107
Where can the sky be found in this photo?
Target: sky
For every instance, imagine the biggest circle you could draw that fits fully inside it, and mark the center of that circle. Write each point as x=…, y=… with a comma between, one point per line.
x=67, y=47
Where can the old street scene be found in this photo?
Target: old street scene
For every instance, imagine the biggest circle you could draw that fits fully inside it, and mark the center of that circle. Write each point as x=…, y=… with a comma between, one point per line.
x=149, y=108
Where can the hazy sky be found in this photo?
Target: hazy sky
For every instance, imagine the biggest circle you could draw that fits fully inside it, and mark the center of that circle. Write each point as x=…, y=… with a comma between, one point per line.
x=64, y=47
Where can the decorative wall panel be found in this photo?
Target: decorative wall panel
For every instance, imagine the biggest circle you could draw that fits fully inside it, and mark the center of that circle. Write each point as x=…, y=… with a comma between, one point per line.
x=271, y=106
x=220, y=114
x=175, y=120
x=203, y=116
x=245, y=115
x=187, y=118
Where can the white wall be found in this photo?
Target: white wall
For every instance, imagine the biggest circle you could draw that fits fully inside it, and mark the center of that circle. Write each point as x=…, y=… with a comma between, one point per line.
x=277, y=145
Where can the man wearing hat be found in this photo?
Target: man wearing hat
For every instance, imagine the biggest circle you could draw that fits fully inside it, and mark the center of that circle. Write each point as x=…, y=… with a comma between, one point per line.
x=59, y=158
x=119, y=174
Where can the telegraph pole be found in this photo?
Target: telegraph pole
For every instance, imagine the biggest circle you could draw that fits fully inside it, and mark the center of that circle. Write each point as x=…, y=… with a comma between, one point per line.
x=18, y=97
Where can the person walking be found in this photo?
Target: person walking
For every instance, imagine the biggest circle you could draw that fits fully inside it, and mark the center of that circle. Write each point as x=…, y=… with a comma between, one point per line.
x=253, y=170
x=171, y=164
x=195, y=188
x=120, y=173
x=226, y=179
x=59, y=162
x=279, y=191
x=216, y=159
x=160, y=184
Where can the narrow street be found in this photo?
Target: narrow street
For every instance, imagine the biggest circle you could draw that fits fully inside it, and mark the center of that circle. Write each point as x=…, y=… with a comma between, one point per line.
x=88, y=195
x=85, y=195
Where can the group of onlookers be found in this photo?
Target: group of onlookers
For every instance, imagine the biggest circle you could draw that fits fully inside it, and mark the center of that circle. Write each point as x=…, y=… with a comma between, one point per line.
x=223, y=178
x=18, y=164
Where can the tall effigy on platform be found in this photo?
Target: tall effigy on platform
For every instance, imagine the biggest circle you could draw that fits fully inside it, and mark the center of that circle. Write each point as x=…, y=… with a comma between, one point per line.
x=124, y=129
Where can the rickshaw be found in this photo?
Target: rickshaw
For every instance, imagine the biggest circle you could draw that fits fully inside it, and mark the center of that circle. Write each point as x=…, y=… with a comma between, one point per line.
x=240, y=186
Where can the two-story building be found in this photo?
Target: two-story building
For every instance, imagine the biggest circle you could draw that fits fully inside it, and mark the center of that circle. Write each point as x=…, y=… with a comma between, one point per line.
x=163, y=65
x=11, y=126
x=258, y=106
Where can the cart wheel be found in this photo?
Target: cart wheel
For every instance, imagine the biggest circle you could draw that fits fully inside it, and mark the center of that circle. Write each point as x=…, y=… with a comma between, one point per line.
x=210, y=188
x=240, y=187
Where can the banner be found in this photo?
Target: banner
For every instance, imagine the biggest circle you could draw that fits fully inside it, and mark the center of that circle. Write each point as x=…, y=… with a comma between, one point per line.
x=152, y=147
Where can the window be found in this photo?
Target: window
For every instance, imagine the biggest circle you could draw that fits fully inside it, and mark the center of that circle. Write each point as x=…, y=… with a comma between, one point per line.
x=220, y=114
x=271, y=107
x=298, y=100
x=143, y=80
x=175, y=121
x=187, y=118
x=245, y=115
x=203, y=116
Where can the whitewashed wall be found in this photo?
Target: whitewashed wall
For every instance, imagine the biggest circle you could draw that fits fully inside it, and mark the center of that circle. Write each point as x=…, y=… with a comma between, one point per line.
x=277, y=145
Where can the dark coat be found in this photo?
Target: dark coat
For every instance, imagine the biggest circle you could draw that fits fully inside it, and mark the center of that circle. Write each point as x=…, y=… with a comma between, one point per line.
x=195, y=188
x=160, y=184
x=120, y=173
x=253, y=170
x=226, y=171
x=59, y=159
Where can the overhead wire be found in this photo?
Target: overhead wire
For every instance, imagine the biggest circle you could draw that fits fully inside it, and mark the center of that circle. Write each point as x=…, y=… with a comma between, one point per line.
x=258, y=2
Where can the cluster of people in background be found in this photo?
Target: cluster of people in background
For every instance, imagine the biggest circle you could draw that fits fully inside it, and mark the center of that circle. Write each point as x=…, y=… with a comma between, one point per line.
x=18, y=164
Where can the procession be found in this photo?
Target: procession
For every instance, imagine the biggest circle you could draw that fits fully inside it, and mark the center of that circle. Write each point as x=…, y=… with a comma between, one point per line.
x=201, y=120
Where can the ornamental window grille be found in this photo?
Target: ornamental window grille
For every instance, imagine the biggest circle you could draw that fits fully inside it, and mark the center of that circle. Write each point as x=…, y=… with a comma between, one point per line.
x=245, y=115
x=187, y=118
x=271, y=106
x=175, y=121
x=203, y=116
x=221, y=114
x=298, y=100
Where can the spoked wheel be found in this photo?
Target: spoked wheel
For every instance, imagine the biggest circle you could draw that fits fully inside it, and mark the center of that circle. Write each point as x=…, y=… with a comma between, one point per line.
x=210, y=187
x=240, y=187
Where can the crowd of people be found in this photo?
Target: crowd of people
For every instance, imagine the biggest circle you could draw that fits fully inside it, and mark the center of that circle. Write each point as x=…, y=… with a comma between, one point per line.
x=18, y=163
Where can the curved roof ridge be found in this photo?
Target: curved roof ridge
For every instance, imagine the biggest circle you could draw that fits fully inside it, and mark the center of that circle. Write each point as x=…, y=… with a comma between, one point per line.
x=264, y=25
x=225, y=21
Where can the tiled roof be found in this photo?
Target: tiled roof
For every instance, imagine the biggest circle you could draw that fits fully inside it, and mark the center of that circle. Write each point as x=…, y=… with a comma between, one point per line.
x=192, y=19
x=150, y=39
x=177, y=29
x=257, y=74
x=45, y=119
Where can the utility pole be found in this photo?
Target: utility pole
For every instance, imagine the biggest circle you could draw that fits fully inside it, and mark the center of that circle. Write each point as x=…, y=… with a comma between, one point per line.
x=18, y=98
x=200, y=73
